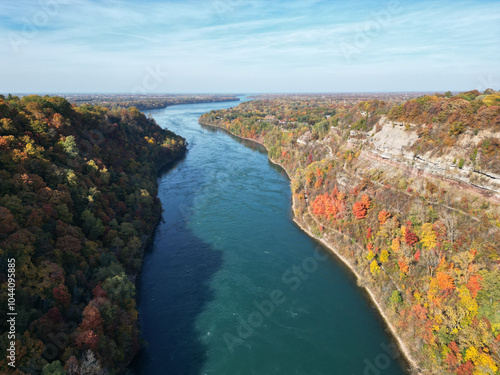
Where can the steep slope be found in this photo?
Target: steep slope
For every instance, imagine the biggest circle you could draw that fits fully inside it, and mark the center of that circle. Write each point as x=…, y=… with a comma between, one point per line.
x=377, y=182
x=77, y=206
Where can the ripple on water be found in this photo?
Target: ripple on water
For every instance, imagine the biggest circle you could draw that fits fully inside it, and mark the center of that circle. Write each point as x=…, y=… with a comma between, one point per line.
x=225, y=244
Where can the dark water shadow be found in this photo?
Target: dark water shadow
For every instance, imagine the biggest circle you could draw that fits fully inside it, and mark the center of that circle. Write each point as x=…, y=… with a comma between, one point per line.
x=175, y=346
x=399, y=358
x=179, y=269
x=253, y=145
x=162, y=171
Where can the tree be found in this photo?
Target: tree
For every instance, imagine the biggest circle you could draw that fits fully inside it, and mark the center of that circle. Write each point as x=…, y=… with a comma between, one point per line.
x=54, y=206
x=474, y=285
x=428, y=236
x=90, y=364
x=7, y=221
x=491, y=286
x=61, y=295
x=450, y=221
x=359, y=210
x=69, y=244
x=54, y=368
x=395, y=298
x=403, y=266
x=92, y=320
x=365, y=199
x=374, y=267
x=410, y=237
x=383, y=216
x=396, y=245
x=445, y=282
x=319, y=206
x=70, y=147
x=87, y=339
x=92, y=226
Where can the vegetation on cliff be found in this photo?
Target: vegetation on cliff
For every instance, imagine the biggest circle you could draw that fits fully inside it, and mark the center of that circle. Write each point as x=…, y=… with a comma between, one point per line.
x=426, y=247
x=77, y=205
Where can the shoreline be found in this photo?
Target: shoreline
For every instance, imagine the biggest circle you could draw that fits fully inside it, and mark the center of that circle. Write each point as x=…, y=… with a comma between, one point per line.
x=146, y=245
x=402, y=346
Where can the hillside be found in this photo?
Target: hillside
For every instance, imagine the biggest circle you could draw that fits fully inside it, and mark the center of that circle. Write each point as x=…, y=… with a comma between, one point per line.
x=406, y=193
x=146, y=101
x=77, y=207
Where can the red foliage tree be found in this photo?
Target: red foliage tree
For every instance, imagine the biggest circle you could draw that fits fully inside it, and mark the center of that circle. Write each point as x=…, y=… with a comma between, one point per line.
x=7, y=221
x=98, y=292
x=69, y=243
x=319, y=205
x=417, y=255
x=318, y=183
x=359, y=210
x=87, y=339
x=474, y=285
x=466, y=369
x=92, y=320
x=410, y=237
x=61, y=295
x=453, y=358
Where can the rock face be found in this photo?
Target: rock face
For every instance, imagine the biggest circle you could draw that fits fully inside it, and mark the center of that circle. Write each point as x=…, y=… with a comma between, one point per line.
x=305, y=139
x=394, y=141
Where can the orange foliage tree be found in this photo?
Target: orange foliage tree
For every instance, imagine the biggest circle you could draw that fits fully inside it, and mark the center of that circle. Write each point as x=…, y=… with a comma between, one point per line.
x=383, y=216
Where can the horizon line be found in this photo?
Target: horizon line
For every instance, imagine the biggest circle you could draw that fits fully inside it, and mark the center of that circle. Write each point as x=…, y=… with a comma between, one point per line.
x=240, y=93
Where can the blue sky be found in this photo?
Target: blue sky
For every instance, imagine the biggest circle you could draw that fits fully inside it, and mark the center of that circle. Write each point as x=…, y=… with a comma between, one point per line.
x=248, y=46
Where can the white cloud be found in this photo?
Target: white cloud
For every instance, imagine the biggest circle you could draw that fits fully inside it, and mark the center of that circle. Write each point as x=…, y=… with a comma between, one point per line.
x=106, y=46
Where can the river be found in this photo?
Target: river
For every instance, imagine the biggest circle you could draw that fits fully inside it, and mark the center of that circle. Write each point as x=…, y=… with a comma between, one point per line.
x=232, y=286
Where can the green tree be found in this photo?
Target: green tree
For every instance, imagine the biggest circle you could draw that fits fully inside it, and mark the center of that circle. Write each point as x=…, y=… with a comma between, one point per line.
x=69, y=146
x=54, y=368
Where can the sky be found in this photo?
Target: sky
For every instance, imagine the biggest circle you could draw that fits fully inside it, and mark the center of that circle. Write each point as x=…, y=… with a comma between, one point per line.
x=248, y=46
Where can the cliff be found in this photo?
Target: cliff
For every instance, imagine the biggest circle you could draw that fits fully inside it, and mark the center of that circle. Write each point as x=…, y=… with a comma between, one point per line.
x=393, y=189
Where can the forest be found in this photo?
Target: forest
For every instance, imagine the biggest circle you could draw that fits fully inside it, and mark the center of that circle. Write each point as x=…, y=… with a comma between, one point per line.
x=146, y=102
x=426, y=246
x=78, y=204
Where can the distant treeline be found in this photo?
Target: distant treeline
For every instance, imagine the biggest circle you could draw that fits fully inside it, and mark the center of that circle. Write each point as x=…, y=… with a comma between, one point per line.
x=142, y=102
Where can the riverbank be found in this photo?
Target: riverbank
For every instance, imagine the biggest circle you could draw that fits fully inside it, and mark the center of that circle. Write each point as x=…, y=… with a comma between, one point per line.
x=147, y=240
x=301, y=223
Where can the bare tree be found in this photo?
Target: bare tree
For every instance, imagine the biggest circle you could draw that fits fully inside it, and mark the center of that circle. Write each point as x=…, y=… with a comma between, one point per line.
x=90, y=364
x=430, y=258
x=451, y=223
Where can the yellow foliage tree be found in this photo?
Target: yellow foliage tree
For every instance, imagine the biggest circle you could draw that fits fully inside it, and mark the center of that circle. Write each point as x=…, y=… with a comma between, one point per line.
x=370, y=255
x=396, y=245
x=428, y=236
x=374, y=268
x=469, y=303
x=485, y=364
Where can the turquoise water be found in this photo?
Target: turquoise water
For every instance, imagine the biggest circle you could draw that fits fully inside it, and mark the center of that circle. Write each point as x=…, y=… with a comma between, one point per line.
x=233, y=286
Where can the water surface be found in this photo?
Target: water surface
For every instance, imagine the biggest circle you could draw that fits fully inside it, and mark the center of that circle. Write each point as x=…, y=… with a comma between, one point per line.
x=233, y=286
